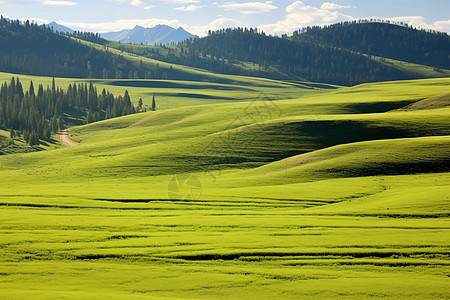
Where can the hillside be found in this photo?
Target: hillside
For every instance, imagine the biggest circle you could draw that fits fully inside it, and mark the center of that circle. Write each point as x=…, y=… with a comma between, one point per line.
x=37, y=50
x=240, y=51
x=38, y=107
x=386, y=40
x=247, y=52
x=319, y=196
x=26, y=48
x=280, y=129
x=303, y=56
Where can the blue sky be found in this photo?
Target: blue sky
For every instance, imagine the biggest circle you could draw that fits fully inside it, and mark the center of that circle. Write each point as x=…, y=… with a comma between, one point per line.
x=197, y=16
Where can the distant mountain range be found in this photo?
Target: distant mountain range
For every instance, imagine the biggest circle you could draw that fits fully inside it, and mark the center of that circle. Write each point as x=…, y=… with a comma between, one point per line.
x=160, y=34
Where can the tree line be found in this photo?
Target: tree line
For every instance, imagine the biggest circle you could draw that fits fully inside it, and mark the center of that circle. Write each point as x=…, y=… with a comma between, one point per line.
x=37, y=113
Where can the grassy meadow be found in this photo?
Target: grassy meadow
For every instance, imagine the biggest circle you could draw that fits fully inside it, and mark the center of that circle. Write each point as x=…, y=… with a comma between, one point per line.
x=257, y=189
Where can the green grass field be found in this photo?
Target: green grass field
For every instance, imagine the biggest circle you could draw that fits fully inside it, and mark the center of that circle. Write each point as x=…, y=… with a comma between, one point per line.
x=328, y=194
x=209, y=89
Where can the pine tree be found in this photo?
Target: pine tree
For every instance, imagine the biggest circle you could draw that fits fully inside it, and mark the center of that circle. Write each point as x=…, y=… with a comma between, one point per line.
x=60, y=123
x=47, y=132
x=31, y=90
x=26, y=136
x=153, y=104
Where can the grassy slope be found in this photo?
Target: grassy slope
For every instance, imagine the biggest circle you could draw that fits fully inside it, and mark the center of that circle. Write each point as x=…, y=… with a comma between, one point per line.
x=176, y=93
x=163, y=52
x=421, y=71
x=431, y=103
x=96, y=220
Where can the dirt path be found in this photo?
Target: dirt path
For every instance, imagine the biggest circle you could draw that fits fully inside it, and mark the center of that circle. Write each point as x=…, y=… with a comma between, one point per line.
x=64, y=138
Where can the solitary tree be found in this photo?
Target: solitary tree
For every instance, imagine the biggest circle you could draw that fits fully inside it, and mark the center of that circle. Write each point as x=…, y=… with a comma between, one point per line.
x=140, y=103
x=153, y=103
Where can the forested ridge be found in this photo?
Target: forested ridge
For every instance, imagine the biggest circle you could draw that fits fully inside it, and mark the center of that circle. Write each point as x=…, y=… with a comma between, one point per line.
x=305, y=60
x=26, y=48
x=331, y=54
x=37, y=113
x=250, y=52
x=383, y=39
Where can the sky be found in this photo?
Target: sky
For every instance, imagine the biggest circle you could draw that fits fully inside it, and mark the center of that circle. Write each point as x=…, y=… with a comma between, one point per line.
x=198, y=16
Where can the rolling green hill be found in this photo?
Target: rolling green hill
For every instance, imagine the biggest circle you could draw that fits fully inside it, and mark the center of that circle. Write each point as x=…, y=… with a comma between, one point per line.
x=344, y=53
x=236, y=187
x=168, y=94
x=26, y=48
x=210, y=88
x=388, y=40
x=254, y=53
x=341, y=194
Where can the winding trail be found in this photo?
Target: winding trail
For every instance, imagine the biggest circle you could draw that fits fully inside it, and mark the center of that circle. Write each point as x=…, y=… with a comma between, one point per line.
x=64, y=138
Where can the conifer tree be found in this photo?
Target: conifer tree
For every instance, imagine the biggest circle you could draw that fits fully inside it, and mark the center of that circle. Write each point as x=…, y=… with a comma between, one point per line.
x=153, y=104
x=31, y=89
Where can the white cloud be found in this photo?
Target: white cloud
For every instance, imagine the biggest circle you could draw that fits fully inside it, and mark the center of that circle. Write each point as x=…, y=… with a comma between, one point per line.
x=415, y=21
x=35, y=20
x=220, y=23
x=190, y=7
x=442, y=26
x=137, y=3
x=300, y=15
x=185, y=1
x=146, y=4
x=419, y=22
x=59, y=3
x=248, y=7
x=330, y=6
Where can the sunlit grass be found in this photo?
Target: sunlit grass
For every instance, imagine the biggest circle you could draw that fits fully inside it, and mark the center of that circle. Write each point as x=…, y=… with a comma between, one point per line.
x=337, y=195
